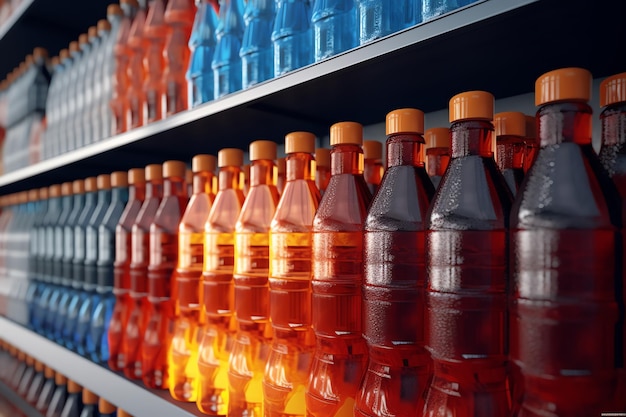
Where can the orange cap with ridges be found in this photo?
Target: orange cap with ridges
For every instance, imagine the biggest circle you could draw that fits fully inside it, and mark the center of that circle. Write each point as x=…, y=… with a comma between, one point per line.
x=105, y=407
x=33, y=195
x=73, y=387
x=104, y=182
x=613, y=90
x=322, y=157
x=78, y=187
x=64, y=54
x=531, y=127
x=202, y=162
x=28, y=60
x=30, y=361
x=60, y=379
x=299, y=142
x=437, y=137
x=66, y=189
x=122, y=413
x=92, y=32
x=89, y=397
x=74, y=47
x=372, y=149
x=154, y=172
x=262, y=149
x=55, y=61
x=43, y=193
x=346, y=133
x=21, y=356
x=566, y=84
x=23, y=197
x=48, y=372
x=510, y=123
x=40, y=53
x=119, y=179
x=83, y=39
x=174, y=169
x=114, y=9
x=104, y=24
x=136, y=176
x=230, y=157
x=405, y=121
x=39, y=367
x=471, y=105
x=91, y=184
x=54, y=190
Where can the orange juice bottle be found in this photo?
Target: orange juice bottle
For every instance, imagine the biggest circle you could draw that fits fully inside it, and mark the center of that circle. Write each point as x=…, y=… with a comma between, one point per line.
x=287, y=369
x=183, y=353
x=154, y=33
x=437, y=153
x=532, y=143
x=281, y=164
x=322, y=163
x=510, y=131
x=373, y=165
x=395, y=277
x=135, y=96
x=121, y=266
x=161, y=289
x=250, y=276
x=130, y=360
x=341, y=353
x=218, y=332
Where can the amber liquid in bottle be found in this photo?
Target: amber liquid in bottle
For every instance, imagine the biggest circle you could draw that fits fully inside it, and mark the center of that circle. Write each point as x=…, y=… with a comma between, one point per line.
x=510, y=152
x=437, y=162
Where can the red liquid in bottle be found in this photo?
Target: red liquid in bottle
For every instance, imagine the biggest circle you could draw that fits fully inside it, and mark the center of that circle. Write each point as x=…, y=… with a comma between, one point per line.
x=531, y=142
x=135, y=96
x=154, y=34
x=510, y=130
x=437, y=153
x=373, y=166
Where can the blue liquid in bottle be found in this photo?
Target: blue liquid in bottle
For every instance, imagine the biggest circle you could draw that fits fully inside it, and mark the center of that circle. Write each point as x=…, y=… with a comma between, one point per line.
x=292, y=36
x=379, y=18
x=37, y=241
x=257, y=53
x=434, y=8
x=202, y=45
x=334, y=27
x=226, y=61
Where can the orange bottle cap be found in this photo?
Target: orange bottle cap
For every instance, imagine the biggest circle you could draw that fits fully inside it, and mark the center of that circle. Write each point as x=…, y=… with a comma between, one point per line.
x=30, y=361
x=230, y=157
x=21, y=356
x=66, y=188
x=40, y=53
x=92, y=32
x=83, y=39
x=563, y=84
x=188, y=176
x=104, y=182
x=322, y=157
x=39, y=367
x=122, y=413
x=89, y=397
x=104, y=24
x=344, y=133
x=203, y=163
x=471, y=105
x=262, y=149
x=437, y=137
x=119, y=179
x=24, y=197
x=613, y=90
x=48, y=372
x=78, y=187
x=55, y=190
x=510, y=123
x=60, y=379
x=43, y=193
x=174, y=169
x=531, y=127
x=64, y=54
x=91, y=184
x=405, y=121
x=74, y=46
x=28, y=61
x=299, y=142
x=281, y=165
x=33, y=195
x=105, y=407
x=154, y=172
x=136, y=176
x=55, y=61
x=73, y=387
x=372, y=149
x=114, y=9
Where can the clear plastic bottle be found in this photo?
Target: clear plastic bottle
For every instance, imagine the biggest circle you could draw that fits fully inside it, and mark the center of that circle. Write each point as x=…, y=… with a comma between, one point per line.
x=532, y=143
x=510, y=131
x=340, y=356
x=74, y=403
x=257, y=51
x=59, y=397
x=281, y=177
x=437, y=153
x=67, y=98
x=379, y=18
x=434, y=8
x=334, y=27
x=395, y=277
x=84, y=79
x=202, y=45
x=104, y=121
x=183, y=354
x=121, y=266
x=226, y=62
x=292, y=36
x=47, y=391
x=154, y=35
x=322, y=164
x=92, y=120
x=27, y=377
x=86, y=124
x=53, y=105
x=373, y=169
x=564, y=224
x=135, y=96
x=90, y=404
x=291, y=243
x=467, y=240
x=36, y=385
x=217, y=334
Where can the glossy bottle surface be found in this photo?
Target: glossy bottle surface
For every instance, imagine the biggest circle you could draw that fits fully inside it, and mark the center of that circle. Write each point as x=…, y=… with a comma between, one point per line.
x=334, y=27
x=154, y=37
x=257, y=52
x=229, y=35
x=292, y=36
x=135, y=96
x=202, y=46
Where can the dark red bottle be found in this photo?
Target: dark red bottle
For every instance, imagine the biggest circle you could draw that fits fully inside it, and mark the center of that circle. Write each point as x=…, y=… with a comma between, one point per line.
x=510, y=129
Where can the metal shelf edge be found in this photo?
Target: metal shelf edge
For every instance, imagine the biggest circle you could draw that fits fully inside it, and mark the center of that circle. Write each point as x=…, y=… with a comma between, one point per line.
x=15, y=16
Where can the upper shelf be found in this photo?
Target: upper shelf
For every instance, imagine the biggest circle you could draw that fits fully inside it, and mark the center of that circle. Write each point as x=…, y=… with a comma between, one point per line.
x=500, y=46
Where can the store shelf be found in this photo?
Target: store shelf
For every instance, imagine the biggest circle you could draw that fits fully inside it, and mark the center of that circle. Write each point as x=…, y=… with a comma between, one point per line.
x=129, y=395
x=19, y=402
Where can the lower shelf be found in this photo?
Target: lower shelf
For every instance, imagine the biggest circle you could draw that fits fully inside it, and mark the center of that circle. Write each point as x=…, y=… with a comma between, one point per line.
x=120, y=391
x=18, y=401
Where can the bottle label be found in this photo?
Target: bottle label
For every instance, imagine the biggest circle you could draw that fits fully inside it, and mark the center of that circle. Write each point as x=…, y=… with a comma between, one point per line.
x=91, y=243
x=79, y=243
x=219, y=252
x=163, y=249
x=106, y=242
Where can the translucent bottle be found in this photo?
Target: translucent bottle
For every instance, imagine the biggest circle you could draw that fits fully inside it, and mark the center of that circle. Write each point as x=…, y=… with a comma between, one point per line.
x=135, y=96
x=106, y=409
x=104, y=123
x=121, y=267
x=154, y=35
x=59, y=397
x=531, y=142
x=179, y=17
x=292, y=36
x=183, y=354
x=47, y=391
x=395, y=277
x=564, y=273
x=36, y=385
x=379, y=18
x=131, y=360
x=334, y=27
x=51, y=139
x=74, y=403
x=341, y=353
x=27, y=377
x=217, y=334
x=434, y=8
x=36, y=253
x=226, y=62
x=322, y=164
x=97, y=342
x=85, y=124
x=291, y=241
x=373, y=164
x=88, y=45
x=281, y=176
x=510, y=131
x=467, y=236
x=92, y=119
x=90, y=404
x=437, y=153
x=202, y=45
x=257, y=52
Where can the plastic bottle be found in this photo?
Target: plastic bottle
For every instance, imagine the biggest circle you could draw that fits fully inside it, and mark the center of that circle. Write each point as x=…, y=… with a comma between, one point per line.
x=395, y=277
x=226, y=63
x=122, y=52
x=93, y=120
x=53, y=105
x=67, y=99
x=281, y=168
x=246, y=179
x=106, y=409
x=257, y=51
x=47, y=391
x=202, y=45
x=292, y=36
x=97, y=341
x=341, y=353
x=334, y=27
x=437, y=153
x=510, y=131
x=434, y=8
x=532, y=143
x=88, y=45
x=322, y=163
x=183, y=355
x=74, y=403
x=564, y=273
x=131, y=359
x=27, y=377
x=179, y=17
x=121, y=267
x=373, y=164
x=85, y=124
x=90, y=404
x=36, y=385
x=20, y=368
x=37, y=250
x=216, y=336
x=154, y=35
x=59, y=397
x=104, y=123
x=291, y=243
x=250, y=275
x=135, y=96
x=467, y=240
x=379, y=18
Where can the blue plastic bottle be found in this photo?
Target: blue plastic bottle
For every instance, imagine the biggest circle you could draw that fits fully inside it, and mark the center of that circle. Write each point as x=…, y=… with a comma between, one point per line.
x=202, y=45
x=226, y=61
x=434, y=8
x=257, y=53
x=379, y=18
x=292, y=36
x=334, y=27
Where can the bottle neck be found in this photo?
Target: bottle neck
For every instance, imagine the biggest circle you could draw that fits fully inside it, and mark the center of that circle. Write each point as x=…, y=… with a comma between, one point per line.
x=405, y=149
x=510, y=152
x=230, y=178
x=438, y=159
x=564, y=122
x=174, y=186
x=104, y=196
x=300, y=166
x=119, y=194
x=137, y=191
x=154, y=189
x=203, y=182
x=263, y=172
x=91, y=198
x=79, y=199
x=55, y=204
x=613, y=119
x=472, y=137
x=346, y=159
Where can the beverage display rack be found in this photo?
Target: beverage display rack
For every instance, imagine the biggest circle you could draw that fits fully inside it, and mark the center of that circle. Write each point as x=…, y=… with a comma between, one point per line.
x=499, y=46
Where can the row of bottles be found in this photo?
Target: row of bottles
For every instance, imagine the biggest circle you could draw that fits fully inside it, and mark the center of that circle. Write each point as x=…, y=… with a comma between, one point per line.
x=49, y=391
x=7, y=8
